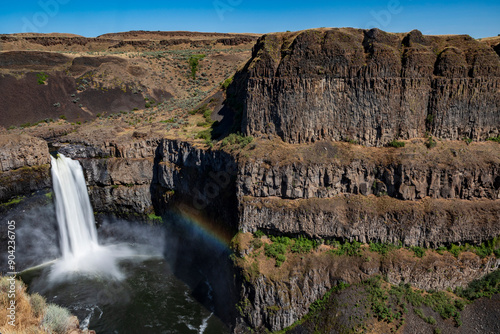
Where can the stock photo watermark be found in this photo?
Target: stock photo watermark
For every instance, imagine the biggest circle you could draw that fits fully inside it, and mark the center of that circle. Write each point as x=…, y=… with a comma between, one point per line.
x=382, y=18
x=218, y=182
x=223, y=6
x=48, y=9
x=11, y=265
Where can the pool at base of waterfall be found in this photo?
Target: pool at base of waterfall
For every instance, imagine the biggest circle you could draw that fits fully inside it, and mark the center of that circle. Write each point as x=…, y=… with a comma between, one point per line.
x=150, y=299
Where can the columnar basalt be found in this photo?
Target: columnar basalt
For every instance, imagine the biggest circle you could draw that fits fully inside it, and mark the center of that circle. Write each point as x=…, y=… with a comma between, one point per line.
x=371, y=86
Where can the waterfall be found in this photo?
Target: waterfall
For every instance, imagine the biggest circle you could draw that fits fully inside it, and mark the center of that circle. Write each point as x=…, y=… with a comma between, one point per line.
x=81, y=252
x=74, y=212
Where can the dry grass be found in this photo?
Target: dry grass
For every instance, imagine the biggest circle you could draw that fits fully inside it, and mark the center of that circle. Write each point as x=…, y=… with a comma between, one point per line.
x=33, y=315
x=28, y=318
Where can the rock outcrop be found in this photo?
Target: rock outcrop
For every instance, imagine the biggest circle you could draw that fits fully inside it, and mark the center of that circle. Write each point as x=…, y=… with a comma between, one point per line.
x=370, y=86
x=429, y=223
x=24, y=166
x=275, y=301
x=22, y=151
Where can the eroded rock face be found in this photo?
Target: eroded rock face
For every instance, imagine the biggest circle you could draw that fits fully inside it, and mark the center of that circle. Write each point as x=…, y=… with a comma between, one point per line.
x=404, y=181
x=22, y=151
x=429, y=223
x=370, y=87
x=275, y=302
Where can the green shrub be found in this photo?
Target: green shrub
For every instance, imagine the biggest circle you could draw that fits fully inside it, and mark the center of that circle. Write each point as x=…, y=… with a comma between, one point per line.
x=382, y=248
x=303, y=245
x=42, y=77
x=419, y=251
x=430, y=143
x=62, y=117
x=205, y=134
x=429, y=120
x=396, y=144
x=440, y=250
x=256, y=243
x=38, y=304
x=277, y=249
x=495, y=139
x=348, y=248
x=237, y=138
x=155, y=218
x=56, y=319
x=208, y=115
x=194, y=61
x=258, y=234
x=226, y=83
x=280, y=258
x=484, y=287
x=467, y=140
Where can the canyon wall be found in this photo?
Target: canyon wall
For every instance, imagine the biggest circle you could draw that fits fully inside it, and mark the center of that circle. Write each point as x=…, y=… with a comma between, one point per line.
x=370, y=86
x=24, y=166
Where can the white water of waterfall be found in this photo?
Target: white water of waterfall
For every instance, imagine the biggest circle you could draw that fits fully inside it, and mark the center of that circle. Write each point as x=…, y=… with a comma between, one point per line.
x=81, y=252
x=74, y=212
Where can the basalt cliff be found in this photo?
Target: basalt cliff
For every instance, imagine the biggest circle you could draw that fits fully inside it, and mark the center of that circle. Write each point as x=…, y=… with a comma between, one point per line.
x=344, y=137
x=371, y=87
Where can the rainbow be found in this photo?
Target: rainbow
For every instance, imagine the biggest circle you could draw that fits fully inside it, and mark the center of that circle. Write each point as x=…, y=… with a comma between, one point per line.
x=195, y=219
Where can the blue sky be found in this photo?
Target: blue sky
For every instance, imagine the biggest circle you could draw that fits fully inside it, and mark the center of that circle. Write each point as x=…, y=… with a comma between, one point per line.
x=91, y=18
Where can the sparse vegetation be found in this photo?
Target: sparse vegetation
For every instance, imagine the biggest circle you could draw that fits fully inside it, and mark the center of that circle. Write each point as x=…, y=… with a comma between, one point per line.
x=484, y=287
x=13, y=201
x=236, y=139
x=154, y=218
x=33, y=314
x=42, y=78
x=383, y=248
x=430, y=143
x=347, y=248
x=226, y=83
x=56, y=319
x=396, y=144
x=194, y=61
x=419, y=251
x=495, y=139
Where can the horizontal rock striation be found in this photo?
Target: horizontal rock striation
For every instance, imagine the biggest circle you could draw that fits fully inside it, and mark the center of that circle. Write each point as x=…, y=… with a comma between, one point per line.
x=404, y=181
x=370, y=86
x=429, y=223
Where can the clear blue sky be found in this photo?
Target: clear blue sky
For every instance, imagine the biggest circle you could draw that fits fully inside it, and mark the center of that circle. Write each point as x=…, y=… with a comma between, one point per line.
x=91, y=18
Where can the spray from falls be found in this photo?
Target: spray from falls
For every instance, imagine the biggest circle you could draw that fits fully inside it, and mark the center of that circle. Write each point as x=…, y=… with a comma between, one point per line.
x=81, y=252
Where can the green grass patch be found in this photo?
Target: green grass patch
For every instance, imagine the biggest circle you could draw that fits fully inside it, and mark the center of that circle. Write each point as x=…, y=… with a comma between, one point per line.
x=155, y=218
